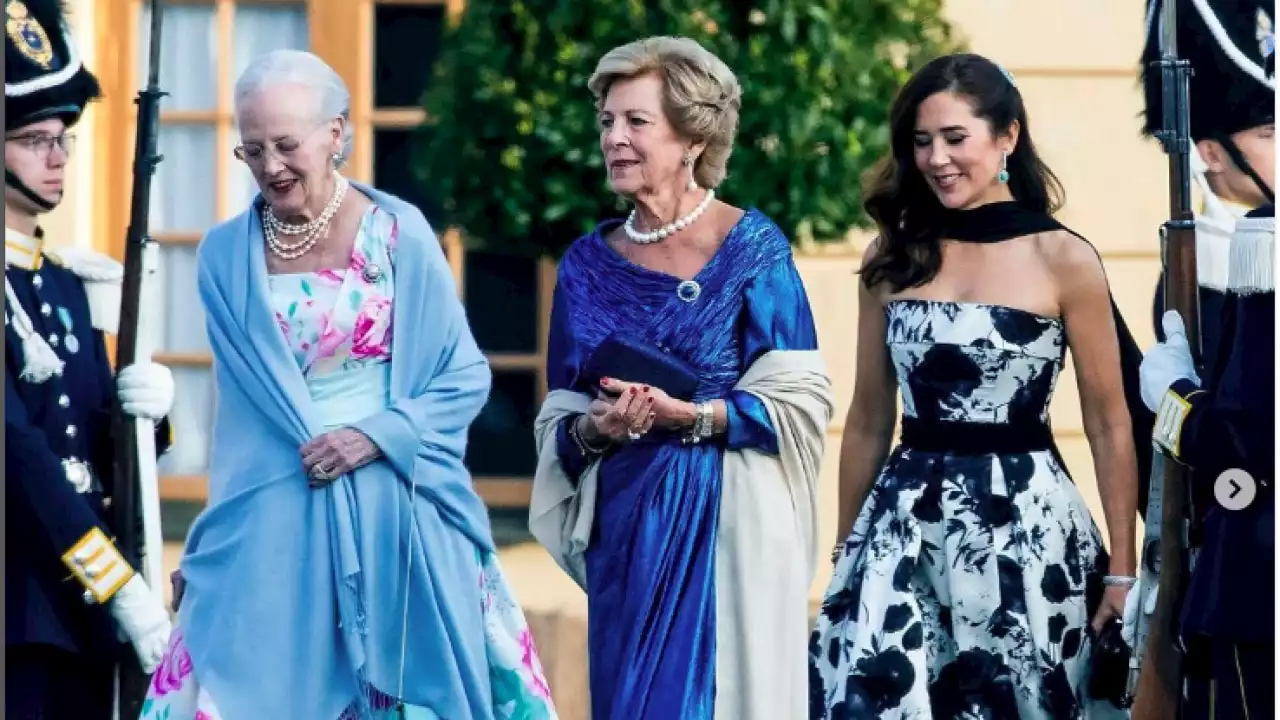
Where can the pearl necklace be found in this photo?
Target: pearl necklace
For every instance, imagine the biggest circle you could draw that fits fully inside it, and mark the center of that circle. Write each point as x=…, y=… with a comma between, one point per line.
x=671, y=228
x=312, y=231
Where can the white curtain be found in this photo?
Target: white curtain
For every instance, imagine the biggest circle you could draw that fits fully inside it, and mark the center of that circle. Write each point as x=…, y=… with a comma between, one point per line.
x=183, y=193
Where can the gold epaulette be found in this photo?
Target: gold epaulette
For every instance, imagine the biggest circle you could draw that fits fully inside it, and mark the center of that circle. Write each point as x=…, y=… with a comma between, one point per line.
x=1170, y=417
x=98, y=565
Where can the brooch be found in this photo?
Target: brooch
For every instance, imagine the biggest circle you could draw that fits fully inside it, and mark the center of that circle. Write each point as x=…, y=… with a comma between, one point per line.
x=27, y=35
x=371, y=273
x=688, y=291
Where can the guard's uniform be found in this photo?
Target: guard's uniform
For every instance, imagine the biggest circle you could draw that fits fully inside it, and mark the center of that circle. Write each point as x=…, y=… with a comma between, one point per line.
x=61, y=568
x=58, y=480
x=1228, y=424
x=1221, y=104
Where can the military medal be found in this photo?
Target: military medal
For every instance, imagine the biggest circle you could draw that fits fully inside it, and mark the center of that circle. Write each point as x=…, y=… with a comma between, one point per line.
x=27, y=35
x=78, y=475
x=70, y=340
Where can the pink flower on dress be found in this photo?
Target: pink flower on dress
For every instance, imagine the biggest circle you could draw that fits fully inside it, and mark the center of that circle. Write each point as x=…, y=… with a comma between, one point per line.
x=283, y=324
x=331, y=338
x=358, y=261
x=371, y=334
x=330, y=275
x=532, y=664
x=202, y=715
x=174, y=667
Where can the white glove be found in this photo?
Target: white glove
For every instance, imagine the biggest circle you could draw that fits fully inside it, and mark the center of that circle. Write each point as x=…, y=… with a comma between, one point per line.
x=144, y=621
x=1130, y=615
x=1167, y=362
x=1141, y=601
x=146, y=390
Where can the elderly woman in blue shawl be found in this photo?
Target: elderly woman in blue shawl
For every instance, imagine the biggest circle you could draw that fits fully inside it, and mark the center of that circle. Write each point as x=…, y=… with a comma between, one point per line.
x=344, y=567
x=680, y=445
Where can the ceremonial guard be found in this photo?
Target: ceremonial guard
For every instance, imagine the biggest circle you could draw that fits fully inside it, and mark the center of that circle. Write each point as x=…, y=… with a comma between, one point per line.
x=1219, y=419
x=1232, y=122
x=70, y=597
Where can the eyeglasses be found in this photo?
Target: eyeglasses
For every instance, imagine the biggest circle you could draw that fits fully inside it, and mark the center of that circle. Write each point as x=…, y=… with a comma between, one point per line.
x=256, y=153
x=42, y=143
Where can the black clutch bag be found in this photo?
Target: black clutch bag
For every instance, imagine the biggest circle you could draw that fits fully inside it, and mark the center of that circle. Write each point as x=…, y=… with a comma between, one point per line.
x=1109, y=671
x=623, y=358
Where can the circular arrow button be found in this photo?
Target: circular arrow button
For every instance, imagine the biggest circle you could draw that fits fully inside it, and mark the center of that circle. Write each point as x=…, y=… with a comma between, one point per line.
x=1235, y=489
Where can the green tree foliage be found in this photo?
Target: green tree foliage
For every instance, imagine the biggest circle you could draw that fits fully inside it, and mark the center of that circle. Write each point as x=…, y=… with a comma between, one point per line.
x=513, y=151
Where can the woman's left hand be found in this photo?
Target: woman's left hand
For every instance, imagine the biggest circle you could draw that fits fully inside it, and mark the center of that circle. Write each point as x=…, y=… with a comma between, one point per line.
x=1112, y=605
x=336, y=453
x=668, y=412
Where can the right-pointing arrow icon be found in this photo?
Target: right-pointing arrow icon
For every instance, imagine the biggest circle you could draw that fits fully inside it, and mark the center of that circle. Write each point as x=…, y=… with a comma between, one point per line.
x=1235, y=489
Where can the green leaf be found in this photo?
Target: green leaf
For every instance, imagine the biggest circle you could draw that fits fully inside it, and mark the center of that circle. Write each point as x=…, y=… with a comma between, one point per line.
x=356, y=297
x=512, y=156
x=306, y=287
x=293, y=308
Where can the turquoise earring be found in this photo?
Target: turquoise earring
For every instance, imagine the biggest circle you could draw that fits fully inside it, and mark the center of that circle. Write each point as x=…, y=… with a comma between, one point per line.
x=1003, y=176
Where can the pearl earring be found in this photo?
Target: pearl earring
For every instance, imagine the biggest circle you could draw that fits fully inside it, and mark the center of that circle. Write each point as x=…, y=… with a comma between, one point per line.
x=1003, y=176
x=688, y=162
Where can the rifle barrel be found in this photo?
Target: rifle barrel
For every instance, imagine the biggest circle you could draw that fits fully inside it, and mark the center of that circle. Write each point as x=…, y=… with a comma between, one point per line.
x=125, y=470
x=1160, y=681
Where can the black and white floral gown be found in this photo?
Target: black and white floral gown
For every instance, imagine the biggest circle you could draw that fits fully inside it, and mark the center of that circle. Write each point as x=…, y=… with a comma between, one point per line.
x=966, y=587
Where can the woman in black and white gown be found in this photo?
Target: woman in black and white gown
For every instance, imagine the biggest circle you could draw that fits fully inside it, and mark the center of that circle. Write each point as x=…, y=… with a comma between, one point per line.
x=972, y=569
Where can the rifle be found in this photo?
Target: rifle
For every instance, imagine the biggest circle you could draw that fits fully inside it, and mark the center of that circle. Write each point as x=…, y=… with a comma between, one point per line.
x=136, y=489
x=1159, y=690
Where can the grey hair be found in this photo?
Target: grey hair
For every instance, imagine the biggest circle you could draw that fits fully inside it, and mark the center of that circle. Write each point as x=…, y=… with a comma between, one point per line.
x=297, y=67
x=701, y=95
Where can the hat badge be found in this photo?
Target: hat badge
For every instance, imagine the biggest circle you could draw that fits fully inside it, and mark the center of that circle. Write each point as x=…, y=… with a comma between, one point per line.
x=27, y=35
x=1266, y=34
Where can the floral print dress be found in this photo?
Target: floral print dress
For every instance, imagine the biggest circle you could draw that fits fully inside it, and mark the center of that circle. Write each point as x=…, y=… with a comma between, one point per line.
x=967, y=585
x=337, y=321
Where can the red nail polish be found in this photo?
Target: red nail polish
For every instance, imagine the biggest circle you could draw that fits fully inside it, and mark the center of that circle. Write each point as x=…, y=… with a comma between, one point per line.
x=646, y=388
x=633, y=391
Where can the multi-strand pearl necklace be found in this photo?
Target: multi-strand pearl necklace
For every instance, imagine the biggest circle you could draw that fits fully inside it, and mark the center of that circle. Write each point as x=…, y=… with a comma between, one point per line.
x=311, y=232
x=671, y=228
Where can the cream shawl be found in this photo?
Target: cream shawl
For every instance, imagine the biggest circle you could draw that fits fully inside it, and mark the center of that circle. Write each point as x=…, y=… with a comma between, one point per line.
x=766, y=549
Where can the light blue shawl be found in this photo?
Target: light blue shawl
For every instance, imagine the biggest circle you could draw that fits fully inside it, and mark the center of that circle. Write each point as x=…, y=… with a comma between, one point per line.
x=295, y=596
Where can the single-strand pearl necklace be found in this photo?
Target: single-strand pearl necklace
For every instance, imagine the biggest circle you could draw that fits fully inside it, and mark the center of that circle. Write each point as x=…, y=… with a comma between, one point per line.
x=671, y=228
x=312, y=231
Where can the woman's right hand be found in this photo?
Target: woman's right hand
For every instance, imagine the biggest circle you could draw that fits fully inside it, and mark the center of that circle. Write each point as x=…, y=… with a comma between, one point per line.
x=617, y=419
x=179, y=585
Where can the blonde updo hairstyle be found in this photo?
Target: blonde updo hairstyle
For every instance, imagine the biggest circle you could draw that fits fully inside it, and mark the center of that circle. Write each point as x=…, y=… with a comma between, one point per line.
x=701, y=95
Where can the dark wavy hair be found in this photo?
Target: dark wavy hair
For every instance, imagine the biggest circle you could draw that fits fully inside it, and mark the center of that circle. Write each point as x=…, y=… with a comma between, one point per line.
x=906, y=211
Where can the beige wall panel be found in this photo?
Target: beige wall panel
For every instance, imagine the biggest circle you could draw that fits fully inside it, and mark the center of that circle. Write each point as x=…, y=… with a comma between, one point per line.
x=832, y=288
x=1040, y=34
x=828, y=511
x=1088, y=130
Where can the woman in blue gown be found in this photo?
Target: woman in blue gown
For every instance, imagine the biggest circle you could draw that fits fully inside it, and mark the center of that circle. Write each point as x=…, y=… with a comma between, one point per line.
x=688, y=516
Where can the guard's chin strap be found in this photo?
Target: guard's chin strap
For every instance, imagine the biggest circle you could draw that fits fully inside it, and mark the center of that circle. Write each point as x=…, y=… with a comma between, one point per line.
x=13, y=181
x=1237, y=157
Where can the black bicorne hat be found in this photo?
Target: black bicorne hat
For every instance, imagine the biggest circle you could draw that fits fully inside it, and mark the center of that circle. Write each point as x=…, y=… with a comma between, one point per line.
x=43, y=74
x=1231, y=47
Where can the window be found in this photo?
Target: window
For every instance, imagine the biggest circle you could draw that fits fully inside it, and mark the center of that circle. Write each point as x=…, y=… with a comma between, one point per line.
x=385, y=51
x=506, y=297
x=204, y=46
